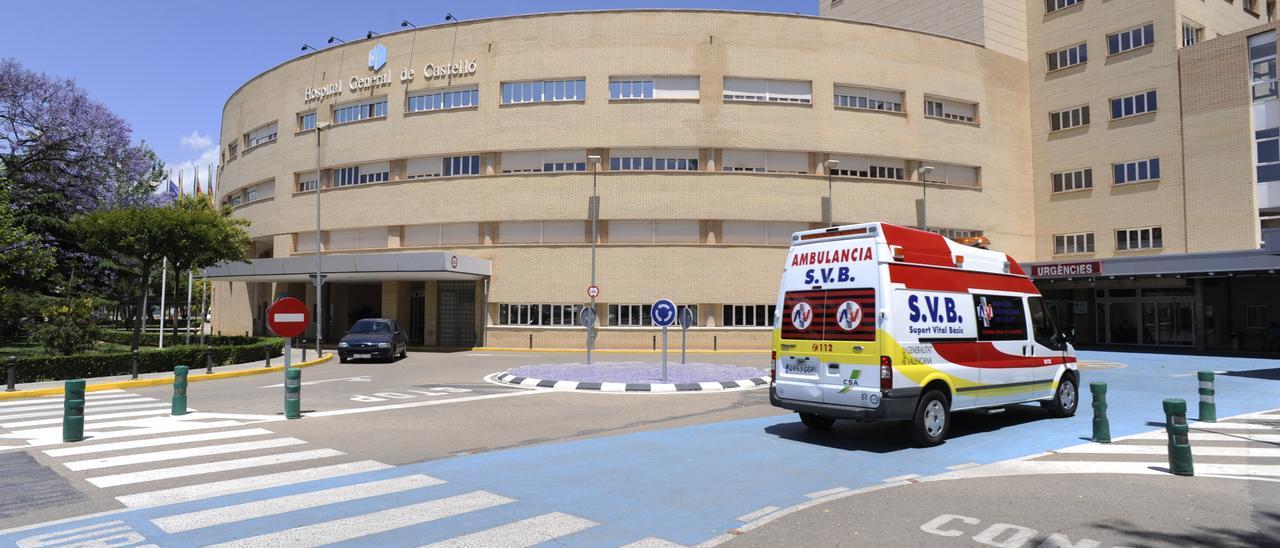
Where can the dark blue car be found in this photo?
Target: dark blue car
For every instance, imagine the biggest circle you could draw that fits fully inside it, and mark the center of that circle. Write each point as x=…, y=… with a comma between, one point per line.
x=373, y=338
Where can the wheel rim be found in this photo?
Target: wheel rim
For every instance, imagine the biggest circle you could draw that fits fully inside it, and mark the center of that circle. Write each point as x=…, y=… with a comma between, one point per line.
x=935, y=417
x=1067, y=395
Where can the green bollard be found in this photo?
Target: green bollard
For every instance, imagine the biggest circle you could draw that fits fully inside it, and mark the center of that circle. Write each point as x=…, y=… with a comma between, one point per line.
x=179, y=390
x=293, y=393
x=1101, y=426
x=1208, y=409
x=73, y=411
x=1175, y=423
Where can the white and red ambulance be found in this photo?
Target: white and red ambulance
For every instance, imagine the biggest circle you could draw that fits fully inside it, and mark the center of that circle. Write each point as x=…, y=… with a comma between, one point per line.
x=881, y=322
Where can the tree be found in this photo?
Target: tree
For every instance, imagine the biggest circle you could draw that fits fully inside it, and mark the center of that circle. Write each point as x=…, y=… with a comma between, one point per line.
x=191, y=233
x=21, y=252
x=68, y=328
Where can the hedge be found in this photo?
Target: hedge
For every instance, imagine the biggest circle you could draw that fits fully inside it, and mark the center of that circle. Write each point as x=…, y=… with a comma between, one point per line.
x=153, y=339
x=83, y=366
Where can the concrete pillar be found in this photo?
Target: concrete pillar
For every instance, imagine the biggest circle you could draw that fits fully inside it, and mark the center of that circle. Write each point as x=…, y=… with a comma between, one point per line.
x=395, y=301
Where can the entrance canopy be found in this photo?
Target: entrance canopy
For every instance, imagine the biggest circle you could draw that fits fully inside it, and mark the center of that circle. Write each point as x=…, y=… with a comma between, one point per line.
x=369, y=267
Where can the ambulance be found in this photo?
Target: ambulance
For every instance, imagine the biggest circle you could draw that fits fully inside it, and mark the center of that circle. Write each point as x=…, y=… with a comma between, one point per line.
x=878, y=322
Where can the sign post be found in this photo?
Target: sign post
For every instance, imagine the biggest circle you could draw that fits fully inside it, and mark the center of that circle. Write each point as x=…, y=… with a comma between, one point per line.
x=663, y=314
x=687, y=319
x=588, y=320
x=287, y=318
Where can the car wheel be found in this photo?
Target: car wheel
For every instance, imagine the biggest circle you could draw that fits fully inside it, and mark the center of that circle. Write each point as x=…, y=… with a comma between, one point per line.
x=932, y=420
x=1066, y=399
x=343, y=359
x=404, y=353
x=816, y=422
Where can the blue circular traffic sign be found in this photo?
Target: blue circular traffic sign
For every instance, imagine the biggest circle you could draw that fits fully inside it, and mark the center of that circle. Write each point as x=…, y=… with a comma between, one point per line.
x=664, y=313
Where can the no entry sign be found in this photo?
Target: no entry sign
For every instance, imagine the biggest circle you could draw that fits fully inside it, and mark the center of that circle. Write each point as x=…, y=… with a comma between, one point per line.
x=287, y=317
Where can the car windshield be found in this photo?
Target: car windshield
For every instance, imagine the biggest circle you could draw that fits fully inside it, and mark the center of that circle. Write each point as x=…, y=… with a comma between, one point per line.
x=370, y=326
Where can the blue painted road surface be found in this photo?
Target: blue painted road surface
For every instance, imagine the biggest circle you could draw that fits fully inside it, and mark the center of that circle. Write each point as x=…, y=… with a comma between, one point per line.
x=684, y=485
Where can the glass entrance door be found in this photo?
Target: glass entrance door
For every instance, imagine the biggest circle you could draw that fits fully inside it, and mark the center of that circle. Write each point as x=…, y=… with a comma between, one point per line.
x=1168, y=323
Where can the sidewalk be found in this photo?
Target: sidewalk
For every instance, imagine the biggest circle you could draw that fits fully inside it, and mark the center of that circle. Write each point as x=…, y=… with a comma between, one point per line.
x=197, y=373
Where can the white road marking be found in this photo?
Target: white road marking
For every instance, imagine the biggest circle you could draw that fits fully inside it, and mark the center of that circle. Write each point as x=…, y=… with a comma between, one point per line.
x=1023, y=468
x=820, y=494
x=1197, y=435
x=711, y=386
x=223, y=515
x=98, y=395
x=143, y=427
x=374, y=522
x=530, y=382
x=1196, y=450
x=172, y=454
x=662, y=388
x=122, y=400
x=59, y=412
x=153, y=442
x=349, y=379
x=423, y=403
x=653, y=542
x=87, y=418
x=613, y=387
x=904, y=477
x=963, y=466
x=239, y=485
x=758, y=513
x=1201, y=426
x=566, y=385
x=521, y=534
x=210, y=467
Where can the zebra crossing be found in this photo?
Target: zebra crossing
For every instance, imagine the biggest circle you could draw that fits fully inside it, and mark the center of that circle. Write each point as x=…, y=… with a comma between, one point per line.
x=224, y=480
x=1243, y=447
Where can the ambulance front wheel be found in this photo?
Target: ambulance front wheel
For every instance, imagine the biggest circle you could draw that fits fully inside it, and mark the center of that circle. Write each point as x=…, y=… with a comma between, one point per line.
x=816, y=422
x=932, y=419
x=1066, y=399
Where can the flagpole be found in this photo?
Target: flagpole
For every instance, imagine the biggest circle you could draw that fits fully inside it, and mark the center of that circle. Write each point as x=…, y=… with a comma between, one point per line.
x=164, y=275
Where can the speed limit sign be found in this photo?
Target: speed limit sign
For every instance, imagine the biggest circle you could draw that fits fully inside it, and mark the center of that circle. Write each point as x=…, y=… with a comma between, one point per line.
x=593, y=291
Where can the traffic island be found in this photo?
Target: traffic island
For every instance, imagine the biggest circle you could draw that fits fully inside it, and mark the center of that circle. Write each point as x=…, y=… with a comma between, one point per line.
x=639, y=377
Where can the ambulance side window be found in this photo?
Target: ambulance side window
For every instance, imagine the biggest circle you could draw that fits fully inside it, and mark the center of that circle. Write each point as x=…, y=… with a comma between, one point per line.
x=1000, y=318
x=1046, y=333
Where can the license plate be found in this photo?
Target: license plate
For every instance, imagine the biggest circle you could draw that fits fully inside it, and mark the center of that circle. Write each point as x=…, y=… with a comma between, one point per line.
x=363, y=356
x=799, y=369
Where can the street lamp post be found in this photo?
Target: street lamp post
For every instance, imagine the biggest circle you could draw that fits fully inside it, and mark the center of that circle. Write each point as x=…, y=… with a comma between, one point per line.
x=831, y=206
x=594, y=211
x=924, y=200
x=319, y=281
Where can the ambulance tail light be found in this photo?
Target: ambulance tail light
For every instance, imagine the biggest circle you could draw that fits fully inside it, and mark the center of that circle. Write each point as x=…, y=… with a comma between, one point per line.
x=898, y=253
x=886, y=373
x=773, y=369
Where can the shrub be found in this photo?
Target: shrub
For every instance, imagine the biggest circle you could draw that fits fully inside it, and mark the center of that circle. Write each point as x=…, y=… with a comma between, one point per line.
x=153, y=339
x=50, y=368
x=68, y=328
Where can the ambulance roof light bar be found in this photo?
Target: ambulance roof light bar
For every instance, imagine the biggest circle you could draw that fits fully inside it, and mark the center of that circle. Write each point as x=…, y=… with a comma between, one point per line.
x=833, y=232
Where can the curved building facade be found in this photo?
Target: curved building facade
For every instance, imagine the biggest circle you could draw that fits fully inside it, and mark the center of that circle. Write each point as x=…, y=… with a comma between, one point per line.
x=456, y=168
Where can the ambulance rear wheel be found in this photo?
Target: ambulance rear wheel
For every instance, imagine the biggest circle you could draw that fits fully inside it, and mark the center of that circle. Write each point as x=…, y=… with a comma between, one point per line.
x=816, y=422
x=932, y=420
x=1066, y=399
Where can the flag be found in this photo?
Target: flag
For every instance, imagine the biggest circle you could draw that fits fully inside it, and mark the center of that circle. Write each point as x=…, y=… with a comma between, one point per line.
x=180, y=183
x=209, y=181
x=195, y=171
x=173, y=191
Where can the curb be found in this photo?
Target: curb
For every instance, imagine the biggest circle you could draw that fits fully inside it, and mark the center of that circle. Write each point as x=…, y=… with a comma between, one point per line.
x=20, y=394
x=613, y=350
x=714, y=386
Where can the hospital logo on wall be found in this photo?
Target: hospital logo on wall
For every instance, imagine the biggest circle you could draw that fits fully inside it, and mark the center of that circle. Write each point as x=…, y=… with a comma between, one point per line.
x=849, y=315
x=377, y=57
x=802, y=315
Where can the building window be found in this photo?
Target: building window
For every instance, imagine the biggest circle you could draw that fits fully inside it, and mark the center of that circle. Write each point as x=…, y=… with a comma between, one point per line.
x=1069, y=57
x=955, y=234
x=1130, y=39
x=305, y=185
x=868, y=98
x=232, y=148
x=762, y=161
x=1051, y=6
x=653, y=87
x=1192, y=33
x=307, y=121
x=1250, y=7
x=358, y=238
x=949, y=174
x=376, y=108
x=1266, y=106
x=748, y=315
x=759, y=232
x=869, y=167
x=655, y=232
x=1070, y=118
x=1137, y=171
x=1073, y=180
x=1139, y=238
x=461, y=165
x=430, y=235
x=1133, y=105
x=375, y=177
x=542, y=232
x=1064, y=244
x=542, y=91
x=260, y=191
x=951, y=110
x=544, y=161
x=1262, y=57
x=444, y=100
x=648, y=159
x=346, y=176
x=637, y=315
x=235, y=199
x=538, y=314
x=770, y=91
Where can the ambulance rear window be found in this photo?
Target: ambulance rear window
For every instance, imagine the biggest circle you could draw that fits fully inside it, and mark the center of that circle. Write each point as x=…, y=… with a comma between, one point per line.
x=829, y=315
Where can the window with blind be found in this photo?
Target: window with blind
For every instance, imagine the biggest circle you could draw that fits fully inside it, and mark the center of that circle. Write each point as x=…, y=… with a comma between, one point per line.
x=764, y=161
x=544, y=161
x=868, y=98
x=768, y=91
x=653, y=87
x=869, y=167
x=653, y=159
x=260, y=136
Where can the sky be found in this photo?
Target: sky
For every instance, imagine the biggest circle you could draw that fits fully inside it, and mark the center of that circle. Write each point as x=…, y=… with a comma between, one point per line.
x=168, y=66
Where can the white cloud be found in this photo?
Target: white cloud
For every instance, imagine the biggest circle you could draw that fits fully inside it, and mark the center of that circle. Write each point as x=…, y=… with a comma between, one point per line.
x=188, y=166
x=196, y=141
